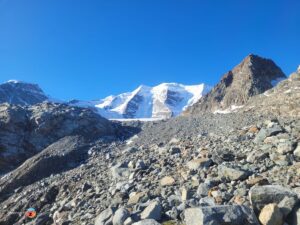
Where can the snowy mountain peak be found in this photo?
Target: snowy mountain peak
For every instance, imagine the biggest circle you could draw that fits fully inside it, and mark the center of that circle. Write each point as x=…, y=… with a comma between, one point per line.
x=162, y=101
x=143, y=87
x=13, y=81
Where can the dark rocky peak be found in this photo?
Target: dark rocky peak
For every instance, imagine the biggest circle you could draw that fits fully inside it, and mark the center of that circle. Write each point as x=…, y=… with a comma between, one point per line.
x=253, y=76
x=21, y=93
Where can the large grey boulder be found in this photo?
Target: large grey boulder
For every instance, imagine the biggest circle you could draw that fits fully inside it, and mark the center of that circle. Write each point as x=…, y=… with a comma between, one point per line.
x=271, y=215
x=232, y=173
x=262, y=195
x=120, y=216
x=220, y=215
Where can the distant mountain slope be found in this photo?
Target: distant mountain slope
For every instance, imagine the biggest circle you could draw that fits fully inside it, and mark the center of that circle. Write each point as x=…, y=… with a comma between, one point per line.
x=21, y=93
x=162, y=101
x=26, y=130
x=253, y=76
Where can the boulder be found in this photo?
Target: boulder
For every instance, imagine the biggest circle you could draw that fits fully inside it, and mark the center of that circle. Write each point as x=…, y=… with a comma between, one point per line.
x=272, y=129
x=263, y=195
x=261, y=136
x=196, y=164
x=271, y=215
x=105, y=217
x=286, y=205
x=167, y=181
x=152, y=211
x=120, y=216
x=220, y=215
x=140, y=165
x=136, y=198
x=128, y=221
x=232, y=173
x=285, y=147
x=203, y=190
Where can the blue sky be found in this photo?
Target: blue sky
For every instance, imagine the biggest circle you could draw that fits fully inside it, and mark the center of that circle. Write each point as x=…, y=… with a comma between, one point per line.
x=94, y=48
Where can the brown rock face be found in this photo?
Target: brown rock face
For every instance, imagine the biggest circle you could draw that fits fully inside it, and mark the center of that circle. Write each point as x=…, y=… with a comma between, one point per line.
x=253, y=76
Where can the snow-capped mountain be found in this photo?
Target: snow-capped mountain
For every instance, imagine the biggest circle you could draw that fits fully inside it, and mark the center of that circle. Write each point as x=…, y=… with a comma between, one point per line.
x=162, y=101
x=21, y=93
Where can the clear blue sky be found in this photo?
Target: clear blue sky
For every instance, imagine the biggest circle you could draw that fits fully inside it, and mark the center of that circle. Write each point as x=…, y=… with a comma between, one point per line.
x=89, y=49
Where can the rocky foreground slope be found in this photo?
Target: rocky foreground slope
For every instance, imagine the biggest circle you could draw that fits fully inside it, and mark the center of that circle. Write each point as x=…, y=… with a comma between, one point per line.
x=233, y=176
x=197, y=169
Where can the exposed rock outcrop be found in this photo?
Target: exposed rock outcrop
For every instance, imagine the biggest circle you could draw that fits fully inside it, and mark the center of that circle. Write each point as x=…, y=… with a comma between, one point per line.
x=253, y=76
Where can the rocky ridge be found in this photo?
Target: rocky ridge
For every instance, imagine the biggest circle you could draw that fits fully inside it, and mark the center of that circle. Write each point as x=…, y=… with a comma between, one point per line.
x=21, y=93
